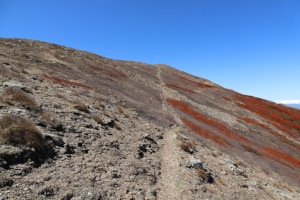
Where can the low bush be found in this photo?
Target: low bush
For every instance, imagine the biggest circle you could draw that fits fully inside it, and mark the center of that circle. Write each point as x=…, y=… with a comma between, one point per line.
x=98, y=119
x=50, y=119
x=201, y=173
x=250, y=149
x=14, y=96
x=17, y=130
x=58, y=95
x=187, y=147
x=117, y=126
x=81, y=106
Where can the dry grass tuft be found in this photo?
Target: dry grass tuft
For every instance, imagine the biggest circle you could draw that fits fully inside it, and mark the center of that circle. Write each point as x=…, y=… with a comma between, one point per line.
x=250, y=149
x=81, y=106
x=13, y=96
x=216, y=153
x=179, y=137
x=201, y=173
x=75, y=93
x=260, y=186
x=120, y=110
x=50, y=119
x=133, y=124
x=98, y=119
x=219, y=181
x=106, y=114
x=17, y=130
x=57, y=106
x=187, y=146
x=97, y=107
x=117, y=126
x=283, y=186
x=58, y=95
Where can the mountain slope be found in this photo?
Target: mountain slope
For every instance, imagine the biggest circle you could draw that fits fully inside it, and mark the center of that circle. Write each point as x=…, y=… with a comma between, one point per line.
x=119, y=120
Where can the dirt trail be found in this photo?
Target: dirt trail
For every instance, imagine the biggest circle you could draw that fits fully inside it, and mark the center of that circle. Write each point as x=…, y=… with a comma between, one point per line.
x=171, y=182
x=170, y=172
x=165, y=95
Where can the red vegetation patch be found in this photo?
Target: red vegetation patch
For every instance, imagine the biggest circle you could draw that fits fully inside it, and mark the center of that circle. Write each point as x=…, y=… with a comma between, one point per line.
x=120, y=73
x=226, y=98
x=278, y=156
x=95, y=67
x=203, y=132
x=267, y=152
x=250, y=121
x=283, y=118
x=184, y=89
x=220, y=127
x=58, y=80
x=279, y=136
x=200, y=85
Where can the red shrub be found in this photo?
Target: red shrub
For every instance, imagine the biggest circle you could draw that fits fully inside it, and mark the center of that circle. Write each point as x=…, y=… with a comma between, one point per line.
x=120, y=73
x=250, y=121
x=278, y=156
x=267, y=152
x=283, y=118
x=58, y=80
x=279, y=136
x=226, y=98
x=220, y=127
x=203, y=132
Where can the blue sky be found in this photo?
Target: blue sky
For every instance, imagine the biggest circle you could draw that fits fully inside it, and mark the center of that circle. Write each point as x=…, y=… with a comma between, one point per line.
x=251, y=46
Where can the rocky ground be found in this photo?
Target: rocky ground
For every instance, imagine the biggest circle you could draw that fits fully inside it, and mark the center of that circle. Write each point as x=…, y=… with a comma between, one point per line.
x=136, y=160
x=99, y=146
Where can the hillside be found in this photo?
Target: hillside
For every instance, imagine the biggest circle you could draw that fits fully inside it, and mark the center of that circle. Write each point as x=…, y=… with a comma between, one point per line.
x=75, y=125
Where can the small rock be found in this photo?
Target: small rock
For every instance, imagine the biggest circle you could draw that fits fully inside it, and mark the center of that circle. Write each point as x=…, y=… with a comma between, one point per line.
x=56, y=139
x=37, y=78
x=14, y=85
x=223, y=172
x=68, y=196
x=48, y=191
x=194, y=163
x=4, y=181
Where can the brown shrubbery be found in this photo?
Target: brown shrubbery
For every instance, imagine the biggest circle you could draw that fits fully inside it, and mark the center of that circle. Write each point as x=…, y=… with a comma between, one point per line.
x=81, y=106
x=98, y=119
x=117, y=126
x=50, y=119
x=250, y=149
x=201, y=173
x=15, y=96
x=17, y=130
x=186, y=145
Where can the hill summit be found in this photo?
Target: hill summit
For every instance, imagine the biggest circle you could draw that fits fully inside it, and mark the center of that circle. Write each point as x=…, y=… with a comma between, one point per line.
x=75, y=125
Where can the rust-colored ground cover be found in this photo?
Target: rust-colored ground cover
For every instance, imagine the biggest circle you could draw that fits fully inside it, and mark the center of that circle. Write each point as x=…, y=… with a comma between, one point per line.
x=59, y=80
x=283, y=118
x=267, y=152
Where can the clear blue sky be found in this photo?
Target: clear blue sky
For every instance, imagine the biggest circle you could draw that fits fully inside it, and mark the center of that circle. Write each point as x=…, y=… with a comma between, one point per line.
x=251, y=46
